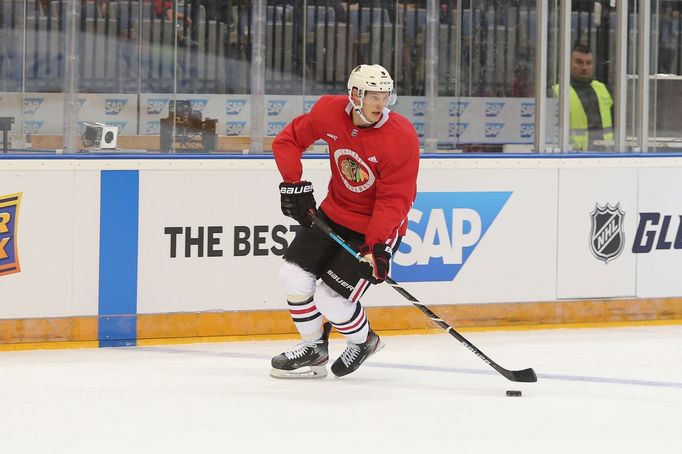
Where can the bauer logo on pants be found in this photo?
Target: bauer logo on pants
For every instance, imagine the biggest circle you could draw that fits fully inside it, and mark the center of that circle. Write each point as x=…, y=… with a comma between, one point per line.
x=444, y=229
x=606, y=236
x=9, y=212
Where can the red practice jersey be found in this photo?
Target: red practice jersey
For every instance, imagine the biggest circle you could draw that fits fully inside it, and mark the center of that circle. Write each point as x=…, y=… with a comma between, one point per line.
x=373, y=170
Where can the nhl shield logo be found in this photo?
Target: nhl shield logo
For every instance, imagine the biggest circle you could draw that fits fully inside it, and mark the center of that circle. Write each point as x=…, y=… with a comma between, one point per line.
x=606, y=237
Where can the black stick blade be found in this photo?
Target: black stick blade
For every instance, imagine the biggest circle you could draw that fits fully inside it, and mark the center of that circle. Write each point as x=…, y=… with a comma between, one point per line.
x=525, y=375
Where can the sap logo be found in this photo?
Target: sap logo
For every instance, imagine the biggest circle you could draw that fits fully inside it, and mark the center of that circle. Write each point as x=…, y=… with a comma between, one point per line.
x=493, y=109
x=418, y=108
x=275, y=127
x=117, y=124
x=234, y=128
x=308, y=106
x=198, y=104
x=527, y=109
x=114, y=106
x=457, y=129
x=156, y=105
x=152, y=127
x=234, y=106
x=652, y=233
x=275, y=107
x=457, y=108
x=9, y=256
x=443, y=231
x=81, y=103
x=527, y=130
x=31, y=105
x=420, y=128
x=32, y=126
x=493, y=129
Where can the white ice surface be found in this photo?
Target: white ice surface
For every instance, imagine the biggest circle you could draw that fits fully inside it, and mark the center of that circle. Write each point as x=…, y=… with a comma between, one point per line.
x=616, y=390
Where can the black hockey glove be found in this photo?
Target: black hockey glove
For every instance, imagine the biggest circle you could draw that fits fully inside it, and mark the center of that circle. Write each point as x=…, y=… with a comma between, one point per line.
x=297, y=199
x=376, y=261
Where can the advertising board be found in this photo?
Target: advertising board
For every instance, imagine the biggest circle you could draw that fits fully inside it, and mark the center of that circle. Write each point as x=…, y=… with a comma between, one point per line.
x=597, y=222
x=52, y=229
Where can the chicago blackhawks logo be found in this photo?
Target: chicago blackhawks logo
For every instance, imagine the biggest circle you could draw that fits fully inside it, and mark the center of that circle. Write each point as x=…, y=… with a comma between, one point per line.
x=606, y=236
x=357, y=176
x=352, y=171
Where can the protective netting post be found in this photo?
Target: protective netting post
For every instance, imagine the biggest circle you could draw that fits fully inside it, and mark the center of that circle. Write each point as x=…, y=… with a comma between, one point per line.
x=540, y=75
x=431, y=74
x=71, y=64
x=258, y=76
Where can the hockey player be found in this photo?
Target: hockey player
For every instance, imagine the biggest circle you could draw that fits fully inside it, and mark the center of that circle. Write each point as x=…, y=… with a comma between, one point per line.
x=374, y=159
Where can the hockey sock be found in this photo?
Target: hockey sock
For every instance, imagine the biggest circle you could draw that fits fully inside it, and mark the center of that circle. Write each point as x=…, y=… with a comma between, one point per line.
x=299, y=286
x=356, y=328
x=347, y=317
x=306, y=317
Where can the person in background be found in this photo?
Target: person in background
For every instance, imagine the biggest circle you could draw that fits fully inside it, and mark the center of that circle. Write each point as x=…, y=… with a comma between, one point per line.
x=591, y=105
x=374, y=160
x=519, y=87
x=164, y=8
x=668, y=20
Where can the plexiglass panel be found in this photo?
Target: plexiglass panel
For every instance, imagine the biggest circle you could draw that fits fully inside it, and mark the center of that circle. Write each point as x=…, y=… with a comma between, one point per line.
x=665, y=88
x=143, y=63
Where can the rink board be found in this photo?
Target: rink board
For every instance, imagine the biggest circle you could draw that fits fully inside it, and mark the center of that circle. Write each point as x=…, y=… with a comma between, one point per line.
x=116, y=250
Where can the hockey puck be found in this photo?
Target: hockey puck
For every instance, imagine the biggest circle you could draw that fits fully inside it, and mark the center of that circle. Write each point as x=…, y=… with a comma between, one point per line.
x=511, y=393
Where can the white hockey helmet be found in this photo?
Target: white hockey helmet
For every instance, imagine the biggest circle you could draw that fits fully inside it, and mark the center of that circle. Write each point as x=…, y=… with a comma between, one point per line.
x=371, y=78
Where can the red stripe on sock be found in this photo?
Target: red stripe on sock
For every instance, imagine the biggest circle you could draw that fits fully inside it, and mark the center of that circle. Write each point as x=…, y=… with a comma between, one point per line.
x=350, y=328
x=303, y=311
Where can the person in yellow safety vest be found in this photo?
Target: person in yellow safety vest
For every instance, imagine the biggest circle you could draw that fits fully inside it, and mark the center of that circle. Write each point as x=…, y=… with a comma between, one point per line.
x=590, y=103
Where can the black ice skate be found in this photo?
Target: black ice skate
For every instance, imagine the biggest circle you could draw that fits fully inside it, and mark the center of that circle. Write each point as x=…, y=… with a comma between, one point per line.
x=356, y=354
x=304, y=360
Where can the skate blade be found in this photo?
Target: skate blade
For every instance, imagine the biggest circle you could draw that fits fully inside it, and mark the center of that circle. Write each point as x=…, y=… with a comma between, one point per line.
x=302, y=373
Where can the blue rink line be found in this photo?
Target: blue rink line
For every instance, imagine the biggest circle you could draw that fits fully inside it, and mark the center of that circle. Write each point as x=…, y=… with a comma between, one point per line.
x=450, y=370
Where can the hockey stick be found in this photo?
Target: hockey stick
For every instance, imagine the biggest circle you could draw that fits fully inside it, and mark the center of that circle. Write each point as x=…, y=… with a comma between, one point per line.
x=525, y=375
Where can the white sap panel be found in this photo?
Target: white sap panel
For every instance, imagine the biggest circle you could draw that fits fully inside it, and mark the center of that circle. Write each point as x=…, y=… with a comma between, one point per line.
x=86, y=226
x=658, y=242
x=281, y=110
x=467, y=120
x=42, y=113
x=232, y=111
x=57, y=239
x=478, y=236
x=113, y=109
x=232, y=204
x=10, y=106
x=597, y=220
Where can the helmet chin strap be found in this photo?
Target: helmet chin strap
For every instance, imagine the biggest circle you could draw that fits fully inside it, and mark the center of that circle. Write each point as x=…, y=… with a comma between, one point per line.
x=358, y=110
